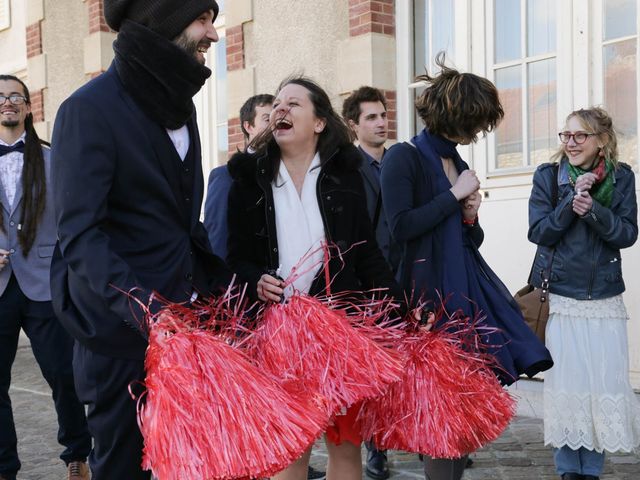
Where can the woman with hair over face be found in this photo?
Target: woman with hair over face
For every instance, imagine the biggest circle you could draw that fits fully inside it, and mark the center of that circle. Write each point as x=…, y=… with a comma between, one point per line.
x=431, y=199
x=300, y=188
x=589, y=405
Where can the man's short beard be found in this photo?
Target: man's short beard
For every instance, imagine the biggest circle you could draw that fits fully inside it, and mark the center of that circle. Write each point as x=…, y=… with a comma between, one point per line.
x=187, y=44
x=10, y=123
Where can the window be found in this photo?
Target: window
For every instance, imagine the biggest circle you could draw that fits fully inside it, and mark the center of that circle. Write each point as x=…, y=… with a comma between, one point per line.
x=211, y=103
x=222, y=123
x=524, y=71
x=431, y=22
x=432, y=37
x=619, y=70
x=5, y=14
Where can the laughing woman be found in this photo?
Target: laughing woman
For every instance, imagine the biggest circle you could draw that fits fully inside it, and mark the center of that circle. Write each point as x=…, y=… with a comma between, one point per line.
x=300, y=188
x=589, y=406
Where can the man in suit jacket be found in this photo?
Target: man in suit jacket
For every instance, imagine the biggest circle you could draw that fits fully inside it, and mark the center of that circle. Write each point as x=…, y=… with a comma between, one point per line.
x=27, y=238
x=128, y=187
x=254, y=118
x=365, y=111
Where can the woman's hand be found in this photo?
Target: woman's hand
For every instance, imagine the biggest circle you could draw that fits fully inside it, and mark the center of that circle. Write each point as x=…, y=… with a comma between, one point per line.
x=425, y=318
x=270, y=289
x=585, y=182
x=471, y=205
x=582, y=203
x=466, y=184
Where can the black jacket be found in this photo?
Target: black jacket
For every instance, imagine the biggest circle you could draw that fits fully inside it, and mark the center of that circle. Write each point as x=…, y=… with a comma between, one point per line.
x=127, y=211
x=252, y=244
x=390, y=248
x=587, y=263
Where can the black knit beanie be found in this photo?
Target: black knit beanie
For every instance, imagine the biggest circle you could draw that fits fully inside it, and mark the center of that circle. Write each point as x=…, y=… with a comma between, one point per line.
x=167, y=18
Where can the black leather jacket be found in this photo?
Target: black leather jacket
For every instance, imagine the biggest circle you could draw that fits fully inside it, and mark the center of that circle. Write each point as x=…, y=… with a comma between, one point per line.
x=587, y=263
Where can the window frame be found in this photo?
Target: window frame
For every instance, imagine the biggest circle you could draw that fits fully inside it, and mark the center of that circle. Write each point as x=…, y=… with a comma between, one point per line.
x=524, y=61
x=206, y=102
x=597, y=46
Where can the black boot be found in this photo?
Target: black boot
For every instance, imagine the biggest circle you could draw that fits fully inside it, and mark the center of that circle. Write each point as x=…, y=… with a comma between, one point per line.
x=314, y=474
x=590, y=477
x=572, y=476
x=377, y=467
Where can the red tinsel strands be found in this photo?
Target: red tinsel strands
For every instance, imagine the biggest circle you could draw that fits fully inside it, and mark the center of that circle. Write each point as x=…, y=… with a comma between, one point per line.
x=308, y=344
x=210, y=413
x=448, y=403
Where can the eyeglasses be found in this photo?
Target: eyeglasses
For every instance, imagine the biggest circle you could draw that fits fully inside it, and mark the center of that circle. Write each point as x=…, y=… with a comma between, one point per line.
x=578, y=137
x=15, y=99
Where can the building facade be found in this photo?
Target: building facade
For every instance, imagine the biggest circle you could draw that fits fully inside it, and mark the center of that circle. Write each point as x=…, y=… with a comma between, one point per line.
x=546, y=57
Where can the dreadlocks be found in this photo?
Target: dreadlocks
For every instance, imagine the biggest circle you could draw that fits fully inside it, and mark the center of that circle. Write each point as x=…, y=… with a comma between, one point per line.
x=34, y=185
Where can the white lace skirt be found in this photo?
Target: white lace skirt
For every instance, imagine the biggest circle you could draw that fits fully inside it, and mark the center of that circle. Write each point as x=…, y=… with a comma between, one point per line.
x=588, y=400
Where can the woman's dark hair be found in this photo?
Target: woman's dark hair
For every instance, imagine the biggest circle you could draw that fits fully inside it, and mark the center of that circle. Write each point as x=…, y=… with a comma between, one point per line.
x=335, y=134
x=458, y=104
x=34, y=184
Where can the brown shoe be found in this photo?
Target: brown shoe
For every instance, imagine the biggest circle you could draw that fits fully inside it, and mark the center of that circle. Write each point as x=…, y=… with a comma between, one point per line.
x=78, y=471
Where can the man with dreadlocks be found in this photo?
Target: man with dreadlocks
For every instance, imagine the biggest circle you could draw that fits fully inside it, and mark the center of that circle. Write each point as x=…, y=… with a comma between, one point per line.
x=27, y=238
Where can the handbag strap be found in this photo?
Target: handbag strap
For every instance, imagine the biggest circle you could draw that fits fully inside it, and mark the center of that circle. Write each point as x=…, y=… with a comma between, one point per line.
x=544, y=288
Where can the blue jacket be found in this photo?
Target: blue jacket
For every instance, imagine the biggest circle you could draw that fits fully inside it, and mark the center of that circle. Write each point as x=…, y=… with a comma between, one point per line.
x=32, y=272
x=441, y=256
x=414, y=211
x=215, y=209
x=587, y=263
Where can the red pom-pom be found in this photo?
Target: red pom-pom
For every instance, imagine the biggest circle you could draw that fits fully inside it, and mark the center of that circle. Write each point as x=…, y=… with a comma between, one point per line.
x=314, y=347
x=449, y=402
x=209, y=413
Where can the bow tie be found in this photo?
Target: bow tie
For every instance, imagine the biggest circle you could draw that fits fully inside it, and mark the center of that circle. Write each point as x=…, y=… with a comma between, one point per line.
x=16, y=147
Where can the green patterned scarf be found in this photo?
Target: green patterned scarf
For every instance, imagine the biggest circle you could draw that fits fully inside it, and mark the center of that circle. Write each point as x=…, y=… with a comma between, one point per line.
x=602, y=190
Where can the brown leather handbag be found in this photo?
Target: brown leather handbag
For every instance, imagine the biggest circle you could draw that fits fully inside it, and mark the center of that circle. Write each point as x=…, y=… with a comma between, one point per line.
x=534, y=304
x=533, y=301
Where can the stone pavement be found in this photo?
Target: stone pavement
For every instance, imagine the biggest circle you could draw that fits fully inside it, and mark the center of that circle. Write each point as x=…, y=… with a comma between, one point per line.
x=517, y=454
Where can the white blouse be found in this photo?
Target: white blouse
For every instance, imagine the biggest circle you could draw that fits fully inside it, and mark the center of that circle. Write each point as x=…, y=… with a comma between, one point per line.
x=299, y=226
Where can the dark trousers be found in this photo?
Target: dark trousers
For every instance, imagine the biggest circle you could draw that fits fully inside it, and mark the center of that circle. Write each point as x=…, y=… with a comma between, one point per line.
x=52, y=348
x=103, y=384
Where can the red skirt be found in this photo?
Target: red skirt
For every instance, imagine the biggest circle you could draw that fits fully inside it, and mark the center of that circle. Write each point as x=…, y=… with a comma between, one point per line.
x=346, y=427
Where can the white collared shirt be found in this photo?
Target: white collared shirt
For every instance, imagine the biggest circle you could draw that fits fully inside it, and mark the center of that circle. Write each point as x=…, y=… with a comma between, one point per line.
x=180, y=139
x=299, y=226
x=11, y=170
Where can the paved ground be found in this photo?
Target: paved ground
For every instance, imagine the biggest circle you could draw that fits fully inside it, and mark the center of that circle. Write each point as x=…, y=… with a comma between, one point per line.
x=518, y=454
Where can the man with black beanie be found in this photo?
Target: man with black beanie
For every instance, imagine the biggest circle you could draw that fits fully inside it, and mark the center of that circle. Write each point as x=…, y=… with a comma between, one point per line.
x=128, y=185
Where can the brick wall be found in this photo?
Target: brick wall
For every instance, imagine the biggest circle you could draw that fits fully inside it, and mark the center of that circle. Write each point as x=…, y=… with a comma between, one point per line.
x=97, y=23
x=367, y=16
x=37, y=106
x=34, y=48
x=236, y=137
x=390, y=96
x=235, y=48
x=34, y=39
x=376, y=16
x=235, y=61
